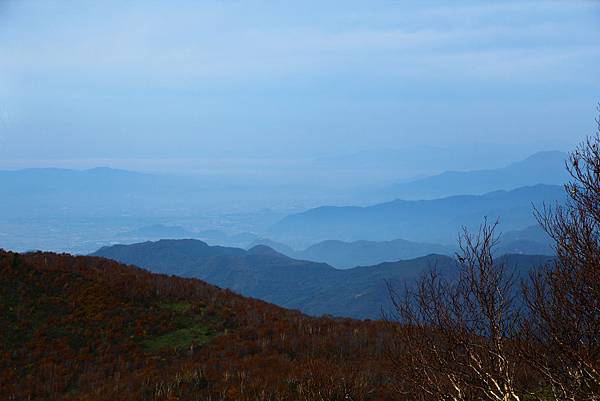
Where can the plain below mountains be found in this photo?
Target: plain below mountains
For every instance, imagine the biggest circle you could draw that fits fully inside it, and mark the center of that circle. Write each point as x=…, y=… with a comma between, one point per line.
x=103, y=192
x=433, y=221
x=314, y=288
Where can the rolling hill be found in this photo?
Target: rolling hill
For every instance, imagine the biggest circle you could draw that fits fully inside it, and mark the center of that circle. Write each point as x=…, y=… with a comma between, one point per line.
x=86, y=328
x=261, y=272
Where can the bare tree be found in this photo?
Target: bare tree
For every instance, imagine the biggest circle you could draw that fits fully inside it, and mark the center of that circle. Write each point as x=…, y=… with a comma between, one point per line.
x=456, y=332
x=563, y=325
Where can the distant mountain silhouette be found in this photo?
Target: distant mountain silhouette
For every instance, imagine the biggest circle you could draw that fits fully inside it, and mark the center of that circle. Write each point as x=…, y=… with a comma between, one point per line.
x=540, y=168
x=409, y=160
x=361, y=253
x=532, y=233
x=278, y=246
x=532, y=240
x=40, y=180
x=343, y=255
x=261, y=272
x=433, y=221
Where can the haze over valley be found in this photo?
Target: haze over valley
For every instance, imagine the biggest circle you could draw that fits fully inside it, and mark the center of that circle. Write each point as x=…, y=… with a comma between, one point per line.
x=299, y=201
x=81, y=210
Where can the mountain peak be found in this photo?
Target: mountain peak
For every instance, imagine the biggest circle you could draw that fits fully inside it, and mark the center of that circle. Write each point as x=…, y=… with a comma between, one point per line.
x=264, y=250
x=547, y=156
x=545, y=167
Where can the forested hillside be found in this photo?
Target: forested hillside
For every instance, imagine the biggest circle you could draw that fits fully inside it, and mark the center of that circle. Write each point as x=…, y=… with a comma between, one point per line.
x=88, y=328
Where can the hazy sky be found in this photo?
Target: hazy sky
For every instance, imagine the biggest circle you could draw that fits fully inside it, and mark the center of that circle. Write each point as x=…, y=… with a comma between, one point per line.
x=191, y=79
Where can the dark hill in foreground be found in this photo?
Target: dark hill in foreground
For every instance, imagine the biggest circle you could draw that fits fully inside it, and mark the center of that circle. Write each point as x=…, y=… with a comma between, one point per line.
x=86, y=328
x=314, y=288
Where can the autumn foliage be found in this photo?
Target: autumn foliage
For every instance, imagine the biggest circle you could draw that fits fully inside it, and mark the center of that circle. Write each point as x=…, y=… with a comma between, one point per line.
x=84, y=328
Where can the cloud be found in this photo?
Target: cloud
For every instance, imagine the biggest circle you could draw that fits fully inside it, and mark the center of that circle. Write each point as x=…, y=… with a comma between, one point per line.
x=189, y=45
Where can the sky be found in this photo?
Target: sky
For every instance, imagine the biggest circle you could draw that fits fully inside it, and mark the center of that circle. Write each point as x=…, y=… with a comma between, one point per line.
x=87, y=81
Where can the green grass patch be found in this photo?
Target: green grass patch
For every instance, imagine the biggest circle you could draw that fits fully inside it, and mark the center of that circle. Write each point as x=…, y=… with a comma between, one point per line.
x=179, y=339
x=177, y=307
x=190, y=328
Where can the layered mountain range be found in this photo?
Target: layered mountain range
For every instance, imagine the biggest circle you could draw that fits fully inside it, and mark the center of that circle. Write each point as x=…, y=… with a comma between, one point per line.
x=539, y=168
x=532, y=240
x=434, y=221
x=314, y=288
